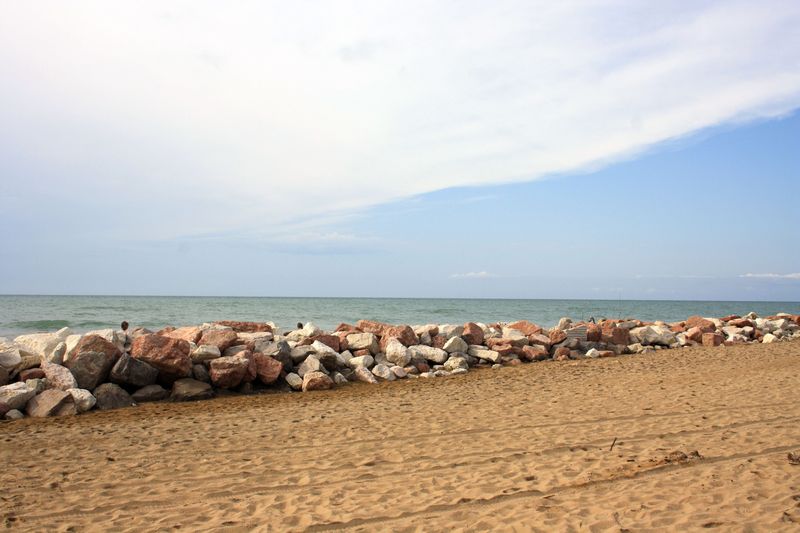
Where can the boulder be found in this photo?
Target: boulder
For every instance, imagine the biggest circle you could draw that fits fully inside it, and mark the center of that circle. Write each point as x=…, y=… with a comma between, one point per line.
x=169, y=356
x=564, y=323
x=294, y=381
x=364, y=375
x=363, y=341
x=486, y=355
x=455, y=345
x=41, y=345
x=429, y=353
x=525, y=327
x=535, y=352
x=10, y=356
x=112, y=396
x=36, y=385
x=404, y=334
x=94, y=343
x=52, y=402
x=245, y=327
x=397, y=353
x=694, y=334
x=188, y=334
x=653, y=335
x=705, y=325
x=299, y=353
x=338, y=378
x=561, y=353
x=228, y=372
x=130, y=371
x=454, y=363
x=514, y=337
x=450, y=331
x=399, y=372
x=316, y=381
x=221, y=338
x=204, y=353
x=556, y=336
x=200, y=373
x=59, y=377
x=473, y=334
x=84, y=400
x=115, y=337
x=331, y=341
x=268, y=369
x=712, y=339
x=150, y=393
x=14, y=414
x=188, y=390
x=769, y=338
x=311, y=364
x=31, y=373
x=4, y=376
x=90, y=368
x=16, y=395
x=364, y=361
x=383, y=372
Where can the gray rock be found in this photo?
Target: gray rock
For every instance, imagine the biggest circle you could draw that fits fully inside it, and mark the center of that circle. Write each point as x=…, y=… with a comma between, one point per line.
x=338, y=378
x=188, y=390
x=456, y=344
x=112, y=396
x=150, y=393
x=4, y=377
x=299, y=353
x=14, y=414
x=383, y=372
x=458, y=371
x=84, y=400
x=399, y=372
x=130, y=371
x=16, y=395
x=311, y=364
x=441, y=373
x=37, y=385
x=294, y=381
x=90, y=368
x=200, y=373
x=10, y=356
x=485, y=354
x=204, y=353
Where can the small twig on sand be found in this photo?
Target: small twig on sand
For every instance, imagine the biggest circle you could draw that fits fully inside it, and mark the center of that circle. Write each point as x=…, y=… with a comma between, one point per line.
x=612, y=444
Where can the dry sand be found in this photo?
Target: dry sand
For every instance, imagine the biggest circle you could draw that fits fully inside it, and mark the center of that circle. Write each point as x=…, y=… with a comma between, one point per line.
x=520, y=448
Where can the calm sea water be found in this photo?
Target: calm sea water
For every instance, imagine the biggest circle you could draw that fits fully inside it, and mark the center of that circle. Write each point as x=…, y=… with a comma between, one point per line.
x=29, y=314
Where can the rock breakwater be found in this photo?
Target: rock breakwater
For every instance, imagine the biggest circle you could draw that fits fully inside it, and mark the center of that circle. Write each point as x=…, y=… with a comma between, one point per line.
x=61, y=373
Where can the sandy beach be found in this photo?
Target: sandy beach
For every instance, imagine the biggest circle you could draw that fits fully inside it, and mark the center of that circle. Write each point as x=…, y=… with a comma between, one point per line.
x=700, y=440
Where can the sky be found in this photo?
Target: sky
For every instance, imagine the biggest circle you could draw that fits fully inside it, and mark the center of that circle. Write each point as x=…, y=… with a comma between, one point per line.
x=597, y=149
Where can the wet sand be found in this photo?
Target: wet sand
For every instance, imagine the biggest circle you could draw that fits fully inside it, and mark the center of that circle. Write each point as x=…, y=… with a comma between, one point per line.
x=700, y=440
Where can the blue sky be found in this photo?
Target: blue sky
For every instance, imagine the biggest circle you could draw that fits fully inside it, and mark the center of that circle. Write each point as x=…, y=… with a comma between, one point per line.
x=577, y=151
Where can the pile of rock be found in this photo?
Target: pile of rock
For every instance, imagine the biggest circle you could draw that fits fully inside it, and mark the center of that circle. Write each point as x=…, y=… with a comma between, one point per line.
x=53, y=374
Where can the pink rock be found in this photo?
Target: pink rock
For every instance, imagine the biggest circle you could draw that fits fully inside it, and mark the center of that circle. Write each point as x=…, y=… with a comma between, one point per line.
x=706, y=326
x=95, y=343
x=268, y=369
x=31, y=373
x=561, y=354
x=371, y=326
x=525, y=327
x=556, y=336
x=694, y=334
x=245, y=327
x=712, y=339
x=331, y=341
x=228, y=372
x=188, y=333
x=169, y=356
x=404, y=334
x=534, y=352
x=221, y=338
x=316, y=381
x=51, y=402
x=473, y=334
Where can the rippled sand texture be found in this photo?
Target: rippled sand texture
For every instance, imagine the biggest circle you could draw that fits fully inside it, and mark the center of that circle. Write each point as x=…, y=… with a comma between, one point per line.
x=518, y=448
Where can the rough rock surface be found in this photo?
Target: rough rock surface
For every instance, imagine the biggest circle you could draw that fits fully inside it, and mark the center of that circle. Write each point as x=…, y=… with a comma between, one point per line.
x=52, y=402
x=112, y=396
x=228, y=372
x=150, y=393
x=316, y=381
x=188, y=389
x=59, y=377
x=169, y=356
x=268, y=369
x=188, y=333
x=473, y=334
x=16, y=395
x=221, y=338
x=90, y=368
x=130, y=371
x=84, y=400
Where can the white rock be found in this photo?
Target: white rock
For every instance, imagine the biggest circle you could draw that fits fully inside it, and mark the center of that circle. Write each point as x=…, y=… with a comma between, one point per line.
x=311, y=364
x=117, y=338
x=57, y=355
x=14, y=414
x=294, y=381
x=383, y=372
x=485, y=354
x=363, y=341
x=84, y=400
x=769, y=338
x=344, y=358
x=41, y=344
x=593, y=353
x=652, y=335
x=458, y=371
x=516, y=337
x=564, y=323
x=363, y=361
x=455, y=363
x=16, y=395
x=435, y=355
x=449, y=331
x=363, y=374
x=321, y=347
x=10, y=357
x=397, y=353
x=456, y=344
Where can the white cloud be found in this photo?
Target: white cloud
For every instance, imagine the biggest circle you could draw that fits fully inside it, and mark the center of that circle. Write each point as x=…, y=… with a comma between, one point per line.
x=258, y=114
x=793, y=275
x=473, y=275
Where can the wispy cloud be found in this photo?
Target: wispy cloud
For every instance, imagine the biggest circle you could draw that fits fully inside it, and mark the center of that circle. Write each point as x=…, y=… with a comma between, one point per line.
x=473, y=275
x=334, y=109
x=770, y=275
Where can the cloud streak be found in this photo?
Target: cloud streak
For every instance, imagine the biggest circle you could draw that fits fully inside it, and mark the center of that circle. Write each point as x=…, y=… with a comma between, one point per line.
x=769, y=275
x=228, y=118
x=473, y=275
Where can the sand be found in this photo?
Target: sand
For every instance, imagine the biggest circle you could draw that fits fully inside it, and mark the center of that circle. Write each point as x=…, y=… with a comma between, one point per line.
x=702, y=437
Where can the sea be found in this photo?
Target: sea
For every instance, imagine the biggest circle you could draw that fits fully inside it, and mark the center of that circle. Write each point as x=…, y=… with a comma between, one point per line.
x=31, y=314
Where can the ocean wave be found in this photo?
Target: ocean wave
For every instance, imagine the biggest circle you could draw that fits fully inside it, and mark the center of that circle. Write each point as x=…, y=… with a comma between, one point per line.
x=39, y=325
